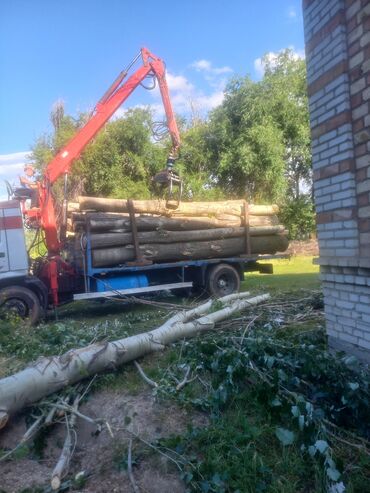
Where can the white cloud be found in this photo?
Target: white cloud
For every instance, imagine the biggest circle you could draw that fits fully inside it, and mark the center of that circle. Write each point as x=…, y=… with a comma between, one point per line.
x=206, y=66
x=292, y=13
x=120, y=113
x=271, y=57
x=211, y=101
x=179, y=83
x=12, y=164
x=186, y=98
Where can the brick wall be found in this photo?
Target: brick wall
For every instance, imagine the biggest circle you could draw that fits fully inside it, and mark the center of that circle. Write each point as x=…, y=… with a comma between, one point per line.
x=337, y=36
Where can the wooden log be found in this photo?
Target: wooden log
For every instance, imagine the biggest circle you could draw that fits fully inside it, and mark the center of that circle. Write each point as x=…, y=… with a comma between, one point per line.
x=152, y=223
x=165, y=236
x=82, y=216
x=208, y=209
x=73, y=206
x=195, y=250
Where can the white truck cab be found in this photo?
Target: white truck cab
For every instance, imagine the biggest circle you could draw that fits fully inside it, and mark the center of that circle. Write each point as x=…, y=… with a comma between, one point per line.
x=20, y=292
x=13, y=253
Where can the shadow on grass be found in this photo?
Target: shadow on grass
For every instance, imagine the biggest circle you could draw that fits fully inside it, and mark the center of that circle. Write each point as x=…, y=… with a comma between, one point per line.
x=96, y=311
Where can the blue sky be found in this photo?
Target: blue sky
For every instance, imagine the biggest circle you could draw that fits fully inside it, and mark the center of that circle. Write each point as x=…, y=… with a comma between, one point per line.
x=73, y=49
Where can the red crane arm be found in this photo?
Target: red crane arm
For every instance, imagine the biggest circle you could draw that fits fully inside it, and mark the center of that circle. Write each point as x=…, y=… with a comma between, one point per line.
x=106, y=107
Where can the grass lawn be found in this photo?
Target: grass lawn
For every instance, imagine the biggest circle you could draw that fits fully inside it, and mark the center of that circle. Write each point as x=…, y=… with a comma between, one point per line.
x=289, y=275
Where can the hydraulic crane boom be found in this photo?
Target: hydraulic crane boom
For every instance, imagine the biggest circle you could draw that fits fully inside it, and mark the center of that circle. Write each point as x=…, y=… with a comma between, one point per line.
x=106, y=107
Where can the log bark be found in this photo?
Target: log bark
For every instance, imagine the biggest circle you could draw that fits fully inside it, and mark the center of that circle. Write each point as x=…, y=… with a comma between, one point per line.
x=49, y=375
x=208, y=209
x=195, y=250
x=165, y=236
x=151, y=223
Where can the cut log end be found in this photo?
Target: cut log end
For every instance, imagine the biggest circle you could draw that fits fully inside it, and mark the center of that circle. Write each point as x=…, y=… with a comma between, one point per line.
x=55, y=483
x=3, y=419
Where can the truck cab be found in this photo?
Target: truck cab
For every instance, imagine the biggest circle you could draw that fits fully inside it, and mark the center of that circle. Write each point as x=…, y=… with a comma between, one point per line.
x=20, y=292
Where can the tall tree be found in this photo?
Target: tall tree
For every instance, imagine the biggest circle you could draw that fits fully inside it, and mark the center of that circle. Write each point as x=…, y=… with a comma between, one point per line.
x=259, y=136
x=118, y=162
x=285, y=88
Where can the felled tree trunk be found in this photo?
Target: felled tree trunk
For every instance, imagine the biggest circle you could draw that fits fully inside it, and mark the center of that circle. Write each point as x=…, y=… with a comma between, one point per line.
x=49, y=375
x=108, y=222
x=165, y=236
x=151, y=223
x=114, y=222
x=208, y=209
x=190, y=250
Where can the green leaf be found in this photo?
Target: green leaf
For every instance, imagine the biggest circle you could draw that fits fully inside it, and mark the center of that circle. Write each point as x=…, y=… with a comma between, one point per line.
x=282, y=375
x=321, y=446
x=205, y=486
x=276, y=402
x=309, y=408
x=187, y=477
x=270, y=360
x=312, y=450
x=295, y=411
x=350, y=360
x=353, y=385
x=333, y=473
x=216, y=479
x=285, y=436
x=329, y=461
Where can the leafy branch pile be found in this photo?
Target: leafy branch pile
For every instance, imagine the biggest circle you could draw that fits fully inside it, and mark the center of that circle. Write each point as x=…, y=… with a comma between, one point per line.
x=284, y=415
x=261, y=387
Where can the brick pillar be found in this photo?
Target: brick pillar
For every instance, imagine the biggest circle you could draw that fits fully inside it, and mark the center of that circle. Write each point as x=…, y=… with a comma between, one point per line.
x=337, y=35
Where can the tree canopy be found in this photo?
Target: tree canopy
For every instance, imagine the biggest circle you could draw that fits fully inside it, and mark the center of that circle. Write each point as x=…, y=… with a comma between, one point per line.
x=260, y=133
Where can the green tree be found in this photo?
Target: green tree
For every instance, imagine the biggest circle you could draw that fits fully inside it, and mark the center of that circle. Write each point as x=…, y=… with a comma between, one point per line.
x=284, y=85
x=260, y=133
x=195, y=163
x=118, y=162
x=297, y=214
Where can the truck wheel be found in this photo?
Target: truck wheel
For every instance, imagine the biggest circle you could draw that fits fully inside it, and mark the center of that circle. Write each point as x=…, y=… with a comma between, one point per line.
x=22, y=302
x=222, y=279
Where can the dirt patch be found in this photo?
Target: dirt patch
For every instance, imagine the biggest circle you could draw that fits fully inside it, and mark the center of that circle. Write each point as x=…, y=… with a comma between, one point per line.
x=101, y=455
x=309, y=248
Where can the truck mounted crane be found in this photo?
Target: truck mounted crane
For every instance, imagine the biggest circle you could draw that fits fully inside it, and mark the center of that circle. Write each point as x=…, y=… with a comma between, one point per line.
x=22, y=290
x=67, y=271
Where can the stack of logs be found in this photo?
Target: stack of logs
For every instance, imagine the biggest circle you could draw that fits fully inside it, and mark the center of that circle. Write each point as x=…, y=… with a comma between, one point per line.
x=122, y=231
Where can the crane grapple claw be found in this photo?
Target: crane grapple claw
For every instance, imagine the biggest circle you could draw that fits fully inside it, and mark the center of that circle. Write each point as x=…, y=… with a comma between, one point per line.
x=169, y=184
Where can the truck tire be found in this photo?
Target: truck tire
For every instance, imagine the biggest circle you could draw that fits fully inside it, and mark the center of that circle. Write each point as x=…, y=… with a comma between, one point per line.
x=222, y=279
x=21, y=301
